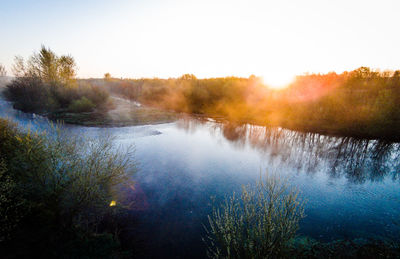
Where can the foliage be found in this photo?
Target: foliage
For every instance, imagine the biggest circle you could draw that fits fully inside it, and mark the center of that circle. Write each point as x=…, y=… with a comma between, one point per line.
x=12, y=206
x=27, y=94
x=81, y=105
x=18, y=67
x=107, y=76
x=257, y=224
x=360, y=103
x=47, y=66
x=66, y=181
x=309, y=248
x=46, y=84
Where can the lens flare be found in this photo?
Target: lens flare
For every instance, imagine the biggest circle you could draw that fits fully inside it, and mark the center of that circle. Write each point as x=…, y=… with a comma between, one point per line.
x=277, y=81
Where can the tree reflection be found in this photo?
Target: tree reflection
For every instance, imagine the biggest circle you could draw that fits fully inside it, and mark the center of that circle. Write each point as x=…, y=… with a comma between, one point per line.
x=359, y=160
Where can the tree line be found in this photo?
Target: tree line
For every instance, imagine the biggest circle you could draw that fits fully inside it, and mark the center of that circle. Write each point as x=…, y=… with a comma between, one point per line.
x=360, y=103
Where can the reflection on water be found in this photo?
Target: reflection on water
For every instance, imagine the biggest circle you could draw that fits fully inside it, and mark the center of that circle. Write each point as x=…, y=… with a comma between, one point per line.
x=351, y=185
x=359, y=160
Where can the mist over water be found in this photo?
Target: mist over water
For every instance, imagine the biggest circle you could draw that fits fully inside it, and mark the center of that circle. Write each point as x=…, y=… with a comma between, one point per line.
x=351, y=186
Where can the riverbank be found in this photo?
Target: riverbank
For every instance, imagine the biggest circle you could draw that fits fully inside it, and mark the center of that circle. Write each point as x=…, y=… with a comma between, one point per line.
x=362, y=103
x=123, y=113
x=352, y=191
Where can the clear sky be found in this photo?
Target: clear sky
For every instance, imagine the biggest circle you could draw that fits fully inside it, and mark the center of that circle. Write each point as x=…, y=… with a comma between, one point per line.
x=208, y=38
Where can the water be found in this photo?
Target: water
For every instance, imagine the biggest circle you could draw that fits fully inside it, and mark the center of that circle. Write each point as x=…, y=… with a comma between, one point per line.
x=351, y=186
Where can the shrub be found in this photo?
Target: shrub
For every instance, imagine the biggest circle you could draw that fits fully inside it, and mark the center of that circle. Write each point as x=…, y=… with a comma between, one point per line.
x=257, y=224
x=46, y=83
x=27, y=94
x=95, y=94
x=65, y=180
x=64, y=94
x=81, y=105
x=12, y=206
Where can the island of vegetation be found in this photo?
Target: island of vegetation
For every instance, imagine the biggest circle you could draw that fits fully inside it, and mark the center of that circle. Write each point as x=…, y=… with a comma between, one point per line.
x=46, y=84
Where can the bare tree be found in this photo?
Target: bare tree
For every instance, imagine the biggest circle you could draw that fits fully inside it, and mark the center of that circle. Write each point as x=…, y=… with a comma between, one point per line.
x=18, y=67
x=3, y=71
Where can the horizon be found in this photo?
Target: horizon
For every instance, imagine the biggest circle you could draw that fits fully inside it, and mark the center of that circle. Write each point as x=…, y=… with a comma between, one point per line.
x=200, y=129
x=166, y=39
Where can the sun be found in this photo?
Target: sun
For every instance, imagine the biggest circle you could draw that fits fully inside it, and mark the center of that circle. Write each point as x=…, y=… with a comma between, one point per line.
x=277, y=81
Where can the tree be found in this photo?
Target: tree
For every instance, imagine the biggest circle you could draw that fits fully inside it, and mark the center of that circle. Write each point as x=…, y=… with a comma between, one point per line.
x=18, y=67
x=107, y=76
x=2, y=70
x=188, y=77
x=363, y=72
x=51, y=68
x=46, y=66
x=66, y=69
x=46, y=83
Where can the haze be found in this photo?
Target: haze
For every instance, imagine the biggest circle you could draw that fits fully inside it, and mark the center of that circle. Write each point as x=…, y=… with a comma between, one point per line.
x=273, y=39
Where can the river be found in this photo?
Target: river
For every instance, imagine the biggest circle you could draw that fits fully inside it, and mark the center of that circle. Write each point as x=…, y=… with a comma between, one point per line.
x=351, y=186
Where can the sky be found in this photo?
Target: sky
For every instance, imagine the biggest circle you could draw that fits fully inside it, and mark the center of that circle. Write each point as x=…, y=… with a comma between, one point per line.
x=208, y=38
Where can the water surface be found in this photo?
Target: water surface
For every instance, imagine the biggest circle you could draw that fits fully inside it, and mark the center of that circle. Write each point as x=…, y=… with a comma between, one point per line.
x=351, y=186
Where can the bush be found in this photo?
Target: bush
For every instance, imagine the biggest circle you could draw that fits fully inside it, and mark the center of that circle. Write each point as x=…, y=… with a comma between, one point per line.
x=67, y=183
x=27, y=94
x=95, y=94
x=258, y=224
x=360, y=103
x=12, y=206
x=81, y=105
x=46, y=84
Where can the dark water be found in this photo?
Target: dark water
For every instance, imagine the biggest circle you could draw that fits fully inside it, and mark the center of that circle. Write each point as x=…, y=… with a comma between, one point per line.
x=351, y=186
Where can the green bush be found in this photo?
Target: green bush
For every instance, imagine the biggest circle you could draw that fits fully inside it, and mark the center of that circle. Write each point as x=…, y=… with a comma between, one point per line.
x=95, y=94
x=65, y=184
x=12, y=206
x=27, y=94
x=46, y=84
x=259, y=223
x=81, y=105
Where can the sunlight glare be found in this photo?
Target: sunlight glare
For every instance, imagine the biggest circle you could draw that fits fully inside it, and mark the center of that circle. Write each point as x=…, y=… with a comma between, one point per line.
x=277, y=80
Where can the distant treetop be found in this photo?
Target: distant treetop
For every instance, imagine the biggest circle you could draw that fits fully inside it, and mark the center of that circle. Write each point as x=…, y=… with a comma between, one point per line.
x=47, y=66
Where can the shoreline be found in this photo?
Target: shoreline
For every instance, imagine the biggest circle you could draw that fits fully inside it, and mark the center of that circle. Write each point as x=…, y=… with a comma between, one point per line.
x=128, y=113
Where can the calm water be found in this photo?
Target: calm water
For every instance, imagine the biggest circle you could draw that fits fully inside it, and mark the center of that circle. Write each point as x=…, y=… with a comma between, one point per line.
x=351, y=186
